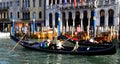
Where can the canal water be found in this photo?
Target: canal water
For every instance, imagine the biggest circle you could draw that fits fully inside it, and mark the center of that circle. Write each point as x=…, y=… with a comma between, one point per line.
x=24, y=56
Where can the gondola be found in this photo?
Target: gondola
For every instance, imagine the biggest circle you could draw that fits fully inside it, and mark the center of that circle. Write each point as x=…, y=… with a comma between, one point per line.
x=68, y=50
x=85, y=42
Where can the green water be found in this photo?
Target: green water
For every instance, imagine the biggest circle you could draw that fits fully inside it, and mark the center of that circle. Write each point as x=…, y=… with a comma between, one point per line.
x=24, y=56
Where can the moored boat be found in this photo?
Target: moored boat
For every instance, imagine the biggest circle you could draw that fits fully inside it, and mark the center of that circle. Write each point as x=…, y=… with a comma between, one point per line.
x=85, y=42
x=85, y=50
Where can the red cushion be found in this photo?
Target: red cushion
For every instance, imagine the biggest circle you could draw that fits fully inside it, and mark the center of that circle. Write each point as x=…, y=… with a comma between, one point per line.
x=75, y=39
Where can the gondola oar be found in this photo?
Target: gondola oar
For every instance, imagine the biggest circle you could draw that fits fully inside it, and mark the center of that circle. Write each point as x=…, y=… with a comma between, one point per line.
x=18, y=42
x=67, y=39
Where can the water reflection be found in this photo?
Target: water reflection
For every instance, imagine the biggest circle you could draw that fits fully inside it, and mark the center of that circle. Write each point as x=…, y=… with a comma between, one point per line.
x=54, y=58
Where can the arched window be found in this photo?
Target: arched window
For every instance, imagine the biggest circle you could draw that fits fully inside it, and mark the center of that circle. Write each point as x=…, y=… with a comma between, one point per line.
x=40, y=14
x=102, y=18
x=111, y=17
x=50, y=20
x=54, y=1
x=49, y=2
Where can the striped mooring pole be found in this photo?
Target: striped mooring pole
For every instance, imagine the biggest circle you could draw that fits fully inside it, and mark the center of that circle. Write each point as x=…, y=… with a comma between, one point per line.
x=34, y=24
x=59, y=24
x=94, y=22
x=13, y=27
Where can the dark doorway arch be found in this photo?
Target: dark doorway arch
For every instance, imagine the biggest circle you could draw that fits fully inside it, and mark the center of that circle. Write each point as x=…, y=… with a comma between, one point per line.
x=77, y=18
x=91, y=19
x=102, y=18
x=54, y=2
x=56, y=19
x=110, y=17
x=85, y=20
x=63, y=19
x=50, y=20
x=70, y=20
x=49, y=2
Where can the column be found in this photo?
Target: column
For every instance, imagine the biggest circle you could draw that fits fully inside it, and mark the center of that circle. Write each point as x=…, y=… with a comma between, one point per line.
x=81, y=16
x=73, y=17
x=67, y=22
x=0, y=15
x=106, y=17
x=98, y=17
x=51, y=3
x=89, y=16
x=55, y=2
x=116, y=16
x=109, y=1
x=60, y=1
x=67, y=25
x=53, y=19
x=88, y=27
x=47, y=2
x=70, y=1
x=6, y=15
x=47, y=18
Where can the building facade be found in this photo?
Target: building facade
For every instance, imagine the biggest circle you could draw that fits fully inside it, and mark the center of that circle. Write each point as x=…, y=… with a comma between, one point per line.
x=4, y=15
x=83, y=12
x=30, y=8
x=22, y=11
x=4, y=10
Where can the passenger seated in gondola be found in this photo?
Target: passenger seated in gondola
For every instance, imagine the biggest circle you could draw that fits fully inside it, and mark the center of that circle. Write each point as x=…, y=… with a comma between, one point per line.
x=48, y=41
x=85, y=36
x=93, y=41
x=75, y=37
x=44, y=44
x=59, y=44
x=76, y=47
x=50, y=44
x=78, y=28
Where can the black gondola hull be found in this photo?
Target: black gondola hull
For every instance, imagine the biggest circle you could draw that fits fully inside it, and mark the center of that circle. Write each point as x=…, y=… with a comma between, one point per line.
x=86, y=43
x=68, y=50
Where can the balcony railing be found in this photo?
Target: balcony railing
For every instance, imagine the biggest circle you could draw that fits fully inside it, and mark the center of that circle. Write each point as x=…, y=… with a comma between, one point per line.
x=89, y=4
x=4, y=8
x=25, y=9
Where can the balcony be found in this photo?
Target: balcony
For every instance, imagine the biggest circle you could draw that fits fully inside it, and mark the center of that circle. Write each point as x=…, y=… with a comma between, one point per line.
x=87, y=4
x=25, y=19
x=4, y=8
x=25, y=9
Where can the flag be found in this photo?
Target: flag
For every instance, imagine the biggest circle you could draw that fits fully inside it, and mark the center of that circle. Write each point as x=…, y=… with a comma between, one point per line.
x=65, y=1
x=75, y=3
x=82, y=1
